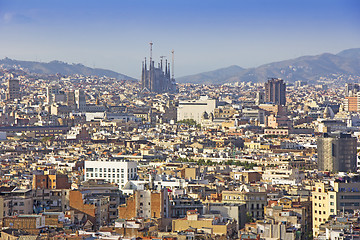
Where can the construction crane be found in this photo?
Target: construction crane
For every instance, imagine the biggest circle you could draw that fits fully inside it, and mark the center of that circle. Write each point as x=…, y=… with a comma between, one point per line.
x=172, y=64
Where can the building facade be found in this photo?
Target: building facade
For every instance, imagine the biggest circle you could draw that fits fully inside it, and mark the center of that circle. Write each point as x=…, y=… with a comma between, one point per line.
x=330, y=199
x=275, y=91
x=194, y=109
x=337, y=152
x=116, y=171
x=13, y=91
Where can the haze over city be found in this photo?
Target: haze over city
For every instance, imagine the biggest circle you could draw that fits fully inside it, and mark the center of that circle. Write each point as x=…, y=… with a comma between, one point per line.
x=205, y=35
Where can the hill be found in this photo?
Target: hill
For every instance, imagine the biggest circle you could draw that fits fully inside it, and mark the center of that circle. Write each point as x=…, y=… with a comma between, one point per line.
x=58, y=67
x=307, y=68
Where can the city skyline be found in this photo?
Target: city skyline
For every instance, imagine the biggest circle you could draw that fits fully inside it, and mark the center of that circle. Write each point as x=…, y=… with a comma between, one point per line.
x=205, y=35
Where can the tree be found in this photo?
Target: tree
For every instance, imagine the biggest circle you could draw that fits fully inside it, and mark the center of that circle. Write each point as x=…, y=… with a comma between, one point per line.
x=249, y=218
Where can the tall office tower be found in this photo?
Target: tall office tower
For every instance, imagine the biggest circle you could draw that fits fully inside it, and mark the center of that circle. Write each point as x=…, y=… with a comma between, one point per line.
x=351, y=89
x=13, y=91
x=70, y=98
x=260, y=96
x=157, y=79
x=337, y=152
x=275, y=91
x=51, y=92
x=80, y=99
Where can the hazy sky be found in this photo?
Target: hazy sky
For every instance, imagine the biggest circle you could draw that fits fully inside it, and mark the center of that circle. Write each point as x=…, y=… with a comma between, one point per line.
x=205, y=34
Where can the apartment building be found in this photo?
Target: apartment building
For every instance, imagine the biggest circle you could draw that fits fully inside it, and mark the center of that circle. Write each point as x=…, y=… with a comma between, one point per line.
x=332, y=198
x=114, y=171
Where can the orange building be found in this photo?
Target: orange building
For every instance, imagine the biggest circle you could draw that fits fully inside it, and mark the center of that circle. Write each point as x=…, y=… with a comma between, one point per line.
x=146, y=204
x=352, y=104
x=50, y=182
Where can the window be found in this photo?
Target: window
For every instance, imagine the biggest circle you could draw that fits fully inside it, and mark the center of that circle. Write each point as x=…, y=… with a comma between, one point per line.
x=100, y=175
x=331, y=210
x=104, y=169
x=89, y=169
x=331, y=196
x=332, y=203
x=122, y=170
x=100, y=169
x=118, y=170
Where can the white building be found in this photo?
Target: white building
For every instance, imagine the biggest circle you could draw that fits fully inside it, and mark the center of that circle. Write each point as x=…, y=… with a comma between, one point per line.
x=194, y=109
x=283, y=175
x=115, y=171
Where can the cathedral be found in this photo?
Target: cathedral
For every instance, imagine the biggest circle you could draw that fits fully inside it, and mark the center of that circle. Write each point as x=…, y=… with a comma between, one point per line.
x=157, y=79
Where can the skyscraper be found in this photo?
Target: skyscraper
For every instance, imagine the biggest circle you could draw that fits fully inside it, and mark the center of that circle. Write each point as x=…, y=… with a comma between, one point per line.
x=13, y=91
x=275, y=91
x=51, y=91
x=80, y=99
x=157, y=79
x=337, y=152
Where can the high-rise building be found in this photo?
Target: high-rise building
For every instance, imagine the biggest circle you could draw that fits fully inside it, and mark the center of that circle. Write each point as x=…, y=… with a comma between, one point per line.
x=80, y=99
x=13, y=91
x=70, y=98
x=51, y=92
x=260, y=97
x=275, y=91
x=351, y=89
x=157, y=79
x=337, y=152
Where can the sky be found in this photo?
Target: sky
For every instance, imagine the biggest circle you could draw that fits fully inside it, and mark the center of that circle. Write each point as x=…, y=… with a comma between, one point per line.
x=204, y=34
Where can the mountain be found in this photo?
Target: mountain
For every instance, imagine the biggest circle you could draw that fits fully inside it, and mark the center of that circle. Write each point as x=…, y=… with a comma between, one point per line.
x=219, y=75
x=58, y=67
x=307, y=68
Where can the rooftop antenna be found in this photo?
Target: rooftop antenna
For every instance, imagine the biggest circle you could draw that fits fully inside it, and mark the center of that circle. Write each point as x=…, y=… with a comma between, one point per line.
x=172, y=64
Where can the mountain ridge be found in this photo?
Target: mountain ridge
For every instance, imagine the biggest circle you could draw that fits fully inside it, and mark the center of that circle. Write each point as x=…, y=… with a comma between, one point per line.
x=60, y=67
x=307, y=68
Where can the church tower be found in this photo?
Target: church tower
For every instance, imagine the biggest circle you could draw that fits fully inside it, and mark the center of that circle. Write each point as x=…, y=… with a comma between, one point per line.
x=156, y=79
